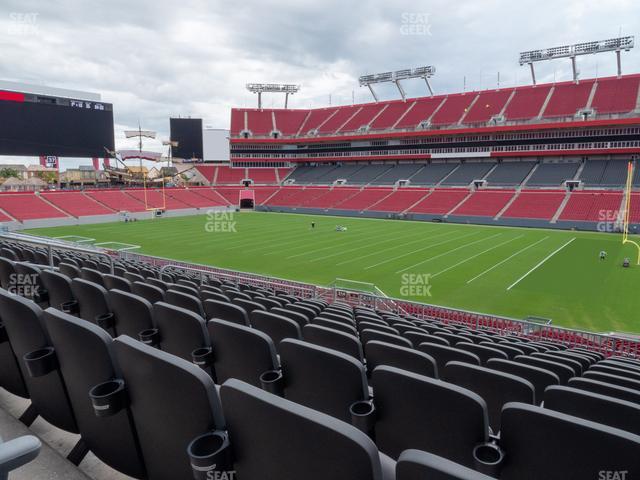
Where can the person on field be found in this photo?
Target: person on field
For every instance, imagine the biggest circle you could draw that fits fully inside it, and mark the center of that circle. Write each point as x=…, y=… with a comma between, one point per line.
x=603, y=255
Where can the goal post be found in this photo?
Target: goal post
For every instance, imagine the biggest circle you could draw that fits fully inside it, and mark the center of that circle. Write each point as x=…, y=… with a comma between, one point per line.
x=627, y=209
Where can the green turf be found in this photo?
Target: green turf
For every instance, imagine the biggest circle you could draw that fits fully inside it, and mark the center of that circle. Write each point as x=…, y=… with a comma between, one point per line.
x=471, y=267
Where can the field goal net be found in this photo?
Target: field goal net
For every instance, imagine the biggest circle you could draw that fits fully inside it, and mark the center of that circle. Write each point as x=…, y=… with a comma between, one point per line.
x=356, y=286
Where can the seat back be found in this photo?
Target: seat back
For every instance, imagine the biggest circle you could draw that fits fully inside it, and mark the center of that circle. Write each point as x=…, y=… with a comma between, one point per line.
x=170, y=407
x=496, y=388
x=539, y=377
x=297, y=317
x=147, y=291
x=114, y=282
x=58, y=286
x=368, y=335
x=240, y=352
x=483, y=352
x=414, y=411
x=381, y=353
x=322, y=379
x=226, y=311
x=92, y=299
x=27, y=334
x=184, y=300
x=419, y=465
x=276, y=326
x=563, y=372
x=91, y=275
x=333, y=339
x=85, y=354
x=273, y=438
x=595, y=407
x=443, y=354
x=608, y=389
x=132, y=313
x=535, y=441
x=181, y=330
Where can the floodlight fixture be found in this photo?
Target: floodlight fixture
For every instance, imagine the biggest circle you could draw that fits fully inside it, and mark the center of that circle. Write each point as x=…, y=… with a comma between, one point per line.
x=395, y=77
x=260, y=88
x=616, y=45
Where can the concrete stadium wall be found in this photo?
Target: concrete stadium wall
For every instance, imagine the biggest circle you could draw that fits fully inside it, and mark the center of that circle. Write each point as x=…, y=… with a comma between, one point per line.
x=471, y=220
x=94, y=219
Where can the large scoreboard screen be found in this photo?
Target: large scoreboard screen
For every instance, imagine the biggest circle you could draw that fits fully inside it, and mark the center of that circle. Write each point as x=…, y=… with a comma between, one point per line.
x=188, y=133
x=35, y=125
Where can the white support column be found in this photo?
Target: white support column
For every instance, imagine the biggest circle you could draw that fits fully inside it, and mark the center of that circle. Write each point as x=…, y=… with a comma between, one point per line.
x=533, y=73
x=401, y=90
x=373, y=92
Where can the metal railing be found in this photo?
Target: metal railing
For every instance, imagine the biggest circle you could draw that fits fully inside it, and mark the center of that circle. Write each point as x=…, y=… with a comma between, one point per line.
x=609, y=344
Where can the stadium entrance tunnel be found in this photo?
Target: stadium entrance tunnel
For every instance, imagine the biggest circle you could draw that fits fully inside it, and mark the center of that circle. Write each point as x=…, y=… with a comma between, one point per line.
x=246, y=203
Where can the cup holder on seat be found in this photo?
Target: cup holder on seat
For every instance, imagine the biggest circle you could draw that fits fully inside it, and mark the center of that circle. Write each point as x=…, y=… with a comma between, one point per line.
x=488, y=459
x=272, y=381
x=105, y=320
x=108, y=398
x=210, y=453
x=41, y=362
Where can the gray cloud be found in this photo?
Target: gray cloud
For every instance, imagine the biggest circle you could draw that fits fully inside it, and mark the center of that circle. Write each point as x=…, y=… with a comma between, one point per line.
x=154, y=60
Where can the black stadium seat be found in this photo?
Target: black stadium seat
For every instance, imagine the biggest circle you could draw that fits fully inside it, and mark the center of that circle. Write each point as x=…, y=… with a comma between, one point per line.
x=442, y=354
x=419, y=465
x=150, y=292
x=132, y=314
x=536, y=440
x=272, y=438
x=333, y=339
x=170, y=408
x=58, y=287
x=381, y=353
x=496, y=388
x=240, y=352
x=276, y=326
x=539, y=377
x=414, y=411
x=84, y=352
x=226, y=311
x=181, y=331
x=323, y=379
x=595, y=407
x=23, y=321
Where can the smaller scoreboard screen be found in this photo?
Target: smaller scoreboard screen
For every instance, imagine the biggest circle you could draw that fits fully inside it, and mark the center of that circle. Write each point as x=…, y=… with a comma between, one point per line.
x=35, y=125
x=188, y=133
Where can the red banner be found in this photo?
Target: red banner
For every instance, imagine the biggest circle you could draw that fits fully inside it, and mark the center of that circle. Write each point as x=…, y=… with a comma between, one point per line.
x=96, y=163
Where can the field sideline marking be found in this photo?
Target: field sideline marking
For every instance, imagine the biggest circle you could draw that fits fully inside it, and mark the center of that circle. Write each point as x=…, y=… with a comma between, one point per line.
x=475, y=256
x=448, y=252
x=539, y=264
x=507, y=259
x=418, y=250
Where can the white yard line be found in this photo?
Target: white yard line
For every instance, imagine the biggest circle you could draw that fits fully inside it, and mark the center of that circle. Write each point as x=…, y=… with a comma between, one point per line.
x=389, y=238
x=507, y=259
x=421, y=239
x=539, y=265
x=475, y=256
x=448, y=252
x=418, y=250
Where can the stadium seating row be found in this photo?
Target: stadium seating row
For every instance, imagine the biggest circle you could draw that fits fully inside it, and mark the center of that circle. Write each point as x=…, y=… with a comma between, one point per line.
x=294, y=373
x=529, y=103
x=587, y=205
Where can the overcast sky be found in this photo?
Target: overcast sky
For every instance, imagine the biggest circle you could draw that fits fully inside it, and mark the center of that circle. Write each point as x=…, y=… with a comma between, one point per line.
x=155, y=59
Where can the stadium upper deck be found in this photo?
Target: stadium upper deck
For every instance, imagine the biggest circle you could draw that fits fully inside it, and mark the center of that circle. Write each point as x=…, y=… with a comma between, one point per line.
x=592, y=116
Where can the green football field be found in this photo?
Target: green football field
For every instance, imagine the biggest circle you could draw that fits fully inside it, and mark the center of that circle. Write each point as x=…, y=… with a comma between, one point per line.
x=509, y=271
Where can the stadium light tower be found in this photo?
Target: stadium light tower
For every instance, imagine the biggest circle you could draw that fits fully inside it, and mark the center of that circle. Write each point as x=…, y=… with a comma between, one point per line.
x=395, y=77
x=260, y=88
x=572, y=51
